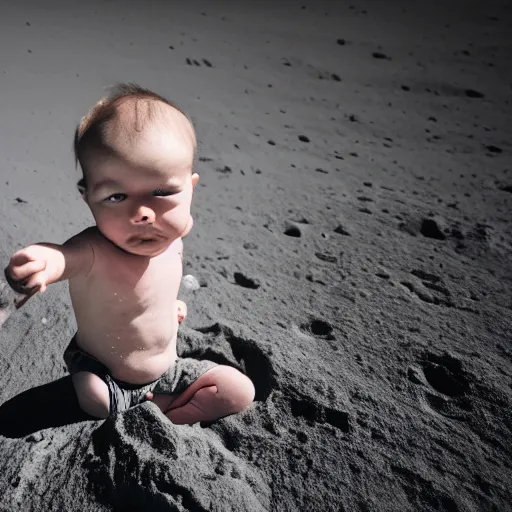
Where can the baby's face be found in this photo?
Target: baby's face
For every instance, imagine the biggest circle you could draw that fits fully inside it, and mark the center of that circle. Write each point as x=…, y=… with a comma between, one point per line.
x=141, y=199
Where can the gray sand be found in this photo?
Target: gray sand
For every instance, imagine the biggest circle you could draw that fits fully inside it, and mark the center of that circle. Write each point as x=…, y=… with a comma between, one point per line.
x=352, y=237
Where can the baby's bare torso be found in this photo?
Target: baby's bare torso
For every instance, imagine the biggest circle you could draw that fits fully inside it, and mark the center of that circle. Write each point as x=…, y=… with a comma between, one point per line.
x=126, y=309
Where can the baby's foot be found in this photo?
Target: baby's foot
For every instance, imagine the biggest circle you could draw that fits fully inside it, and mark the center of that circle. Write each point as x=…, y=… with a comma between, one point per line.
x=182, y=311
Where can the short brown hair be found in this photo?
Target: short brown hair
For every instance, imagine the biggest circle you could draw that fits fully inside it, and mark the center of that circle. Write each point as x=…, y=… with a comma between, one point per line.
x=90, y=132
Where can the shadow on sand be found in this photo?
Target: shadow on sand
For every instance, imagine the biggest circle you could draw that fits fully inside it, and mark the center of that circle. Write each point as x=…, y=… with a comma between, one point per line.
x=50, y=405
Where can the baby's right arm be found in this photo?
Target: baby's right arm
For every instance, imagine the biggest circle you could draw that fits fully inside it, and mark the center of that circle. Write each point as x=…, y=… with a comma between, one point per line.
x=33, y=268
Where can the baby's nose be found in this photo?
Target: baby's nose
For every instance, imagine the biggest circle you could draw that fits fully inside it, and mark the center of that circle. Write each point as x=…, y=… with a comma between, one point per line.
x=144, y=215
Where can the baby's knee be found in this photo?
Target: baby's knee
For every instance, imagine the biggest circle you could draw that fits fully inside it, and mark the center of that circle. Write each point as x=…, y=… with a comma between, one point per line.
x=92, y=393
x=237, y=387
x=245, y=393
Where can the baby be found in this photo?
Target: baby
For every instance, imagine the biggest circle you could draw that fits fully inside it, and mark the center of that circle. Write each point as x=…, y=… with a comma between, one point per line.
x=136, y=151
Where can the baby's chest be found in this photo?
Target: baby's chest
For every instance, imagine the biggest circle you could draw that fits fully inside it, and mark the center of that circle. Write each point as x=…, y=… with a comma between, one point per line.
x=124, y=287
x=143, y=284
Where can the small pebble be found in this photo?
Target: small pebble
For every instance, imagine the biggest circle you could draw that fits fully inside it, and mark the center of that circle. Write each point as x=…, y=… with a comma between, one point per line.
x=44, y=321
x=190, y=282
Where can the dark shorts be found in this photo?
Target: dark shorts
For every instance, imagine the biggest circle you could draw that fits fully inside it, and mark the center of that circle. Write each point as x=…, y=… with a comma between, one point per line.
x=124, y=395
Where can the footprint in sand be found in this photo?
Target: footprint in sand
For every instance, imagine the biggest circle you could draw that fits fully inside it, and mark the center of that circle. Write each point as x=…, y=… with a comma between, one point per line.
x=220, y=344
x=435, y=293
x=317, y=413
x=312, y=411
x=319, y=329
x=445, y=386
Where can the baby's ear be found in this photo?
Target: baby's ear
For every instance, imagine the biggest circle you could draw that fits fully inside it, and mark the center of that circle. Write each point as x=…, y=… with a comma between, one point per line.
x=82, y=189
x=195, y=179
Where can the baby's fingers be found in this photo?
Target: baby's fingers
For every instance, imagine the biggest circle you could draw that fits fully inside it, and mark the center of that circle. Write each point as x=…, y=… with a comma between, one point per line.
x=29, y=285
x=19, y=273
x=36, y=281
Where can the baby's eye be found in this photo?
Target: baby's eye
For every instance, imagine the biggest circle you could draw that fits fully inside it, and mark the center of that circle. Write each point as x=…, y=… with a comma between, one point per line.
x=160, y=192
x=115, y=198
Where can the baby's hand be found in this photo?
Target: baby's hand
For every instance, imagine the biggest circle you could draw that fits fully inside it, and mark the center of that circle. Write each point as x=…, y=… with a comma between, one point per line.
x=28, y=272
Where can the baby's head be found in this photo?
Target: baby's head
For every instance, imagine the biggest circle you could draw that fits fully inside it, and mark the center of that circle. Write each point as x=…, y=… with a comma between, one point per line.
x=137, y=151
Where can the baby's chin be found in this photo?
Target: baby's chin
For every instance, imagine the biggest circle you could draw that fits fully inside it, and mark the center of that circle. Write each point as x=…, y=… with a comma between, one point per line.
x=141, y=247
x=148, y=249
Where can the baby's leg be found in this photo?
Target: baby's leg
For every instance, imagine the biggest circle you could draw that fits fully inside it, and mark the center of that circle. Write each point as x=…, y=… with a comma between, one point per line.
x=219, y=392
x=92, y=394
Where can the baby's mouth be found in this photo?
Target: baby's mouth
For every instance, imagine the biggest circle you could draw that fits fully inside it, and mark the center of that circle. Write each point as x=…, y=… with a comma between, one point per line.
x=143, y=239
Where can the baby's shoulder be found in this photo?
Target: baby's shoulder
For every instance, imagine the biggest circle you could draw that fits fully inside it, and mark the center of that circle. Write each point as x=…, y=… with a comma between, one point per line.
x=90, y=235
x=90, y=232
x=93, y=238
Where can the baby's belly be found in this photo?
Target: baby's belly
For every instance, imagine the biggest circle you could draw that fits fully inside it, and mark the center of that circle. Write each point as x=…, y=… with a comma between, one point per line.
x=131, y=355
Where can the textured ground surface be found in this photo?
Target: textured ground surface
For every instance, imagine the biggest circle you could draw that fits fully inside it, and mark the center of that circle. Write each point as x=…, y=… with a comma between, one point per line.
x=352, y=239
